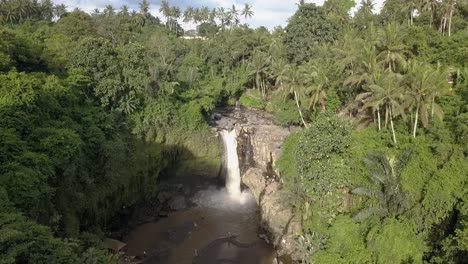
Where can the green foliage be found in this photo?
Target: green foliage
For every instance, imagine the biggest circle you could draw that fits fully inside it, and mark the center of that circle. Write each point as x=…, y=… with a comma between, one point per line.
x=17, y=89
x=308, y=27
x=285, y=111
x=252, y=100
x=345, y=244
x=327, y=137
x=396, y=242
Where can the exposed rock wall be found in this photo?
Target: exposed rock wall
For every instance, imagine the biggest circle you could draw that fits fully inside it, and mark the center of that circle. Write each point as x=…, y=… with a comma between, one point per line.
x=259, y=147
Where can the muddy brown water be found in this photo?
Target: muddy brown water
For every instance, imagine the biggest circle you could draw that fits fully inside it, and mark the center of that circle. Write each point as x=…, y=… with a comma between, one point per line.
x=218, y=230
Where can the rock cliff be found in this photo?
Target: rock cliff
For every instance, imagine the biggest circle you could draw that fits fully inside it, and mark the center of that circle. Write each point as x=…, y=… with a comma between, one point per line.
x=259, y=147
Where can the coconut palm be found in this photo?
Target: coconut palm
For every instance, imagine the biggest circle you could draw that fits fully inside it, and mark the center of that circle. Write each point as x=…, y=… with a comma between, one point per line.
x=213, y=15
x=258, y=67
x=204, y=13
x=188, y=14
x=175, y=15
x=165, y=10
x=221, y=14
x=365, y=65
x=247, y=11
x=21, y=7
x=384, y=173
x=144, y=7
x=391, y=47
x=291, y=83
x=60, y=10
x=124, y=11
x=318, y=84
x=431, y=7
x=424, y=85
x=233, y=15
x=9, y=14
x=386, y=93
x=109, y=11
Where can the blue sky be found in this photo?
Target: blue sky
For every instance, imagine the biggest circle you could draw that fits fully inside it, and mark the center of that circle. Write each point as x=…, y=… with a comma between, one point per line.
x=268, y=13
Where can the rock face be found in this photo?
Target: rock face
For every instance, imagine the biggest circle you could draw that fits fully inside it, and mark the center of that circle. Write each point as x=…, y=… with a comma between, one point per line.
x=259, y=147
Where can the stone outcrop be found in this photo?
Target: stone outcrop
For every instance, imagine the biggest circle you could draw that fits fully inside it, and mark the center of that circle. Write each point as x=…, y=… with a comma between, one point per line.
x=259, y=147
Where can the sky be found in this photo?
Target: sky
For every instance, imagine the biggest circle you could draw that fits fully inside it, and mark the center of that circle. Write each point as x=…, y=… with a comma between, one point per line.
x=268, y=13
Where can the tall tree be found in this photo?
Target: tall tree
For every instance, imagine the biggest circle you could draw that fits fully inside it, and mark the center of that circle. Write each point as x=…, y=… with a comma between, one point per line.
x=424, y=85
x=247, y=11
x=308, y=27
x=386, y=93
x=291, y=82
x=391, y=48
x=258, y=67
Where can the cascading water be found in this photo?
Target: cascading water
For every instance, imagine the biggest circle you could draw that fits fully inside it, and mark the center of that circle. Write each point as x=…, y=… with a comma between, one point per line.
x=233, y=180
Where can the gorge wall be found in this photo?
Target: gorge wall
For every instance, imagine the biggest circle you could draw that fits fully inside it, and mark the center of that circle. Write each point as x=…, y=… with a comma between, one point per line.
x=259, y=147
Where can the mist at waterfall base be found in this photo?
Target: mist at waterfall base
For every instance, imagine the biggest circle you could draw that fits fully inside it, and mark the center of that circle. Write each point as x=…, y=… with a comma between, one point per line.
x=198, y=234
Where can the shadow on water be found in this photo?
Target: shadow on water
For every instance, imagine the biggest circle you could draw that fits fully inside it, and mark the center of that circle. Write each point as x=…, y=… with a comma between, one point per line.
x=215, y=229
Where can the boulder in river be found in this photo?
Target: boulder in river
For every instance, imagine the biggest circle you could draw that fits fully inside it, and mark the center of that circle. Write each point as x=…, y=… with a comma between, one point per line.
x=178, y=203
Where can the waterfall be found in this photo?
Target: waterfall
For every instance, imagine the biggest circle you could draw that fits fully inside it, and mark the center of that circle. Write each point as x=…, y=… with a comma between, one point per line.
x=233, y=180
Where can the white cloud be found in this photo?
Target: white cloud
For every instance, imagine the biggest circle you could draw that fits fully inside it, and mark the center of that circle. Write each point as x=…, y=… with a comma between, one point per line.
x=268, y=13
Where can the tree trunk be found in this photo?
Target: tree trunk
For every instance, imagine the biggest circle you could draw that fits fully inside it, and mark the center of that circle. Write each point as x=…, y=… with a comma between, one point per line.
x=432, y=106
x=442, y=25
x=257, y=81
x=393, y=129
x=411, y=16
x=378, y=117
x=299, y=109
x=386, y=117
x=432, y=17
x=416, y=121
x=411, y=122
x=450, y=20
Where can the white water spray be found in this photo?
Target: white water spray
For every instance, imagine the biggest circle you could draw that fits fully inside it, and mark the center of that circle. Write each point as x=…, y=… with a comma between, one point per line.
x=233, y=180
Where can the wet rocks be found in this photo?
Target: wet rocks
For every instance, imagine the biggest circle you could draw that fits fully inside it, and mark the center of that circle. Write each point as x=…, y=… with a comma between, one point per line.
x=178, y=203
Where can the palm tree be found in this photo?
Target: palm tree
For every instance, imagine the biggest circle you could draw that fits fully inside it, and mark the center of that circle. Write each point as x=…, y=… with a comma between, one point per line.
x=188, y=14
x=213, y=15
x=175, y=15
x=318, y=84
x=247, y=11
x=390, y=44
x=144, y=7
x=60, y=10
x=204, y=13
x=258, y=67
x=124, y=11
x=364, y=66
x=233, y=14
x=387, y=93
x=291, y=83
x=431, y=7
x=384, y=173
x=447, y=9
x=9, y=14
x=221, y=13
x=165, y=11
x=21, y=8
x=424, y=84
x=109, y=11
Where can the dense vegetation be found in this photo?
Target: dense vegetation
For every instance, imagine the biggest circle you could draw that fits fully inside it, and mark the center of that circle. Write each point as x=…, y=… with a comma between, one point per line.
x=95, y=108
